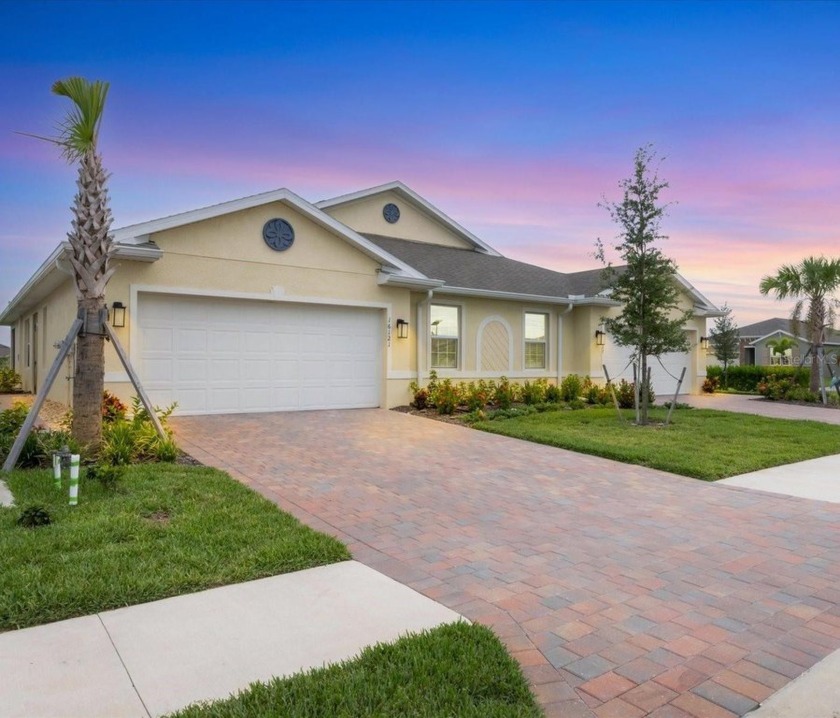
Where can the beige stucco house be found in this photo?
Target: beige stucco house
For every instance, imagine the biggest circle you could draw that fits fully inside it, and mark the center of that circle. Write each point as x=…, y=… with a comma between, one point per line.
x=271, y=302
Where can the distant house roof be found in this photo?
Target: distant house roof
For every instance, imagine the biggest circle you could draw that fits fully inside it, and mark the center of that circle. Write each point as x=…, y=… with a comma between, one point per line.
x=762, y=330
x=4, y=351
x=767, y=326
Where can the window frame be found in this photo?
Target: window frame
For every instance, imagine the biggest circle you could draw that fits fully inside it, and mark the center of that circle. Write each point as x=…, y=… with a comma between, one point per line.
x=457, y=338
x=545, y=341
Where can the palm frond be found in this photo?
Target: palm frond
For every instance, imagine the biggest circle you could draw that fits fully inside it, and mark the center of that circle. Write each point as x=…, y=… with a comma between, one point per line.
x=79, y=131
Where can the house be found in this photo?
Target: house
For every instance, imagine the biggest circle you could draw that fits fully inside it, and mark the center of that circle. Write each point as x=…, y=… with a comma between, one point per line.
x=754, y=338
x=271, y=302
x=5, y=352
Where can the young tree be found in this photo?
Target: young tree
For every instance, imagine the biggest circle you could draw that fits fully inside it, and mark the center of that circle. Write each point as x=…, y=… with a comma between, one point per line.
x=778, y=347
x=814, y=280
x=650, y=322
x=91, y=248
x=725, y=339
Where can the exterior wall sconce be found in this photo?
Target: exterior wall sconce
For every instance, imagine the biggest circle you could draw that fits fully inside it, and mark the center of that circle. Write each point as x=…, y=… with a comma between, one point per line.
x=402, y=329
x=118, y=312
x=599, y=337
x=704, y=343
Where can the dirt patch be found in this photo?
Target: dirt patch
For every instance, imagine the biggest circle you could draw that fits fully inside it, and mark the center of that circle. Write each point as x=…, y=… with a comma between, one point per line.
x=160, y=517
x=51, y=416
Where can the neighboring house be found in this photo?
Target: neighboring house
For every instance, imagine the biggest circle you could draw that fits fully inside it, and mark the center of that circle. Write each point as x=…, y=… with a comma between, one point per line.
x=5, y=353
x=272, y=303
x=754, y=338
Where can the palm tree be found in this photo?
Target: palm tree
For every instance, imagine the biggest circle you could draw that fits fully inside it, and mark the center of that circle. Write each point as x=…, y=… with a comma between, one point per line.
x=780, y=346
x=814, y=280
x=91, y=248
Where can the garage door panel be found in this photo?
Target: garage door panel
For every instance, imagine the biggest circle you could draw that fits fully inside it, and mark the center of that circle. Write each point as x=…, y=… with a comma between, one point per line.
x=664, y=375
x=215, y=355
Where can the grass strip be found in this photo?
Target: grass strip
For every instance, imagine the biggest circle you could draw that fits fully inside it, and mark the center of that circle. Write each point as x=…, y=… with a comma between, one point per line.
x=459, y=669
x=704, y=444
x=167, y=530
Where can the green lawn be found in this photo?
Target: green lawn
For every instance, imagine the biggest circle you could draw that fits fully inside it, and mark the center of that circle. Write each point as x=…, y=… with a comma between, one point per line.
x=455, y=670
x=703, y=444
x=167, y=530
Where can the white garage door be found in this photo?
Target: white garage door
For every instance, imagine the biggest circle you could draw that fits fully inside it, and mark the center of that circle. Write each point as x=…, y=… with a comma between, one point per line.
x=663, y=376
x=217, y=356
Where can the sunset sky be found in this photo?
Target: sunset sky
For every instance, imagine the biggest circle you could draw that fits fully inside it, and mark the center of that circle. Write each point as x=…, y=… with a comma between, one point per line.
x=515, y=119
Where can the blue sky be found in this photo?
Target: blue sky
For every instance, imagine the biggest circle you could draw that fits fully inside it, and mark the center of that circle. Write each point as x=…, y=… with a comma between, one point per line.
x=516, y=119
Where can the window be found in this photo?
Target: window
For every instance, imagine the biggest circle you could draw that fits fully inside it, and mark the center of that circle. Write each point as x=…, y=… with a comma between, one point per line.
x=446, y=329
x=536, y=331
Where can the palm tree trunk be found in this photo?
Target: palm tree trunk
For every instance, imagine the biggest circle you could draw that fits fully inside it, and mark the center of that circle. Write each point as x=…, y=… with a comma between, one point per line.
x=89, y=381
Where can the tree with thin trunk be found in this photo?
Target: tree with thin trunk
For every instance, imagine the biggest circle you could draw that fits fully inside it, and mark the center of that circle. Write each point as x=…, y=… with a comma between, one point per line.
x=91, y=249
x=651, y=321
x=725, y=339
x=814, y=281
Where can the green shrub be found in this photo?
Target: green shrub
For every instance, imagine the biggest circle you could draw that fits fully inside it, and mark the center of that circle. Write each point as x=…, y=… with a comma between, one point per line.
x=593, y=393
x=785, y=389
x=747, y=378
x=9, y=379
x=106, y=474
x=710, y=385
x=476, y=395
x=505, y=393
x=552, y=394
x=39, y=445
x=571, y=387
x=447, y=397
x=625, y=392
x=34, y=516
x=534, y=393
x=577, y=404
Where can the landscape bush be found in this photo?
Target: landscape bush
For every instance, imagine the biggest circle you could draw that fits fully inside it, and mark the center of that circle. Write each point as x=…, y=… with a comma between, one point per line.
x=9, y=380
x=571, y=387
x=39, y=445
x=747, y=378
x=785, y=389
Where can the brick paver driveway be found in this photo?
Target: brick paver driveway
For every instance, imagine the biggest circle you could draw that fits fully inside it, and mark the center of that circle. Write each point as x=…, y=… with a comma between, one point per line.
x=622, y=591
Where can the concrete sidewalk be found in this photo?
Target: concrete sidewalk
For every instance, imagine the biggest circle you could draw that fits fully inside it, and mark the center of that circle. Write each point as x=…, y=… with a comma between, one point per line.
x=148, y=660
x=813, y=479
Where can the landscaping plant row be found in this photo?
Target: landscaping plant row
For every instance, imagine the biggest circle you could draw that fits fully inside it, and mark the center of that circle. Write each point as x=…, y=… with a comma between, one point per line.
x=446, y=396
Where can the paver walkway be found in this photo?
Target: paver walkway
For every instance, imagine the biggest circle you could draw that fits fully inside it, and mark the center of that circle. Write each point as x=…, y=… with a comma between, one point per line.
x=746, y=404
x=622, y=591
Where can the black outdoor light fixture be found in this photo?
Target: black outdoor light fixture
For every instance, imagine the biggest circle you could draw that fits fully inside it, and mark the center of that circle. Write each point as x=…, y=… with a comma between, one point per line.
x=704, y=342
x=402, y=329
x=599, y=337
x=118, y=311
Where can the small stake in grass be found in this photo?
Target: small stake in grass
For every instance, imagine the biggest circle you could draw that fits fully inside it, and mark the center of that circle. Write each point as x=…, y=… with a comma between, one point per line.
x=74, y=479
x=57, y=469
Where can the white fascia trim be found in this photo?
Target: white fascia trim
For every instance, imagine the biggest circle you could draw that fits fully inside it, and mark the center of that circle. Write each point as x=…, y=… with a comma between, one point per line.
x=261, y=296
x=56, y=263
x=399, y=280
x=515, y=296
x=137, y=233
x=711, y=309
x=410, y=195
x=774, y=333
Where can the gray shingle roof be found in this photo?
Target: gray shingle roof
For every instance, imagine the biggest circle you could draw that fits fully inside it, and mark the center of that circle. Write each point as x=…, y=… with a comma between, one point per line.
x=476, y=270
x=777, y=324
x=4, y=350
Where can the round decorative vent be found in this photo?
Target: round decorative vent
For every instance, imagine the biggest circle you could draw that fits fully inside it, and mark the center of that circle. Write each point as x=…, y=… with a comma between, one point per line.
x=391, y=213
x=278, y=234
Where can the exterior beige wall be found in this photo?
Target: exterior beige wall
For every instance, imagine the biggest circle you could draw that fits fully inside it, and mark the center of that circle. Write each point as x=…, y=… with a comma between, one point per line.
x=365, y=215
x=227, y=256
x=55, y=315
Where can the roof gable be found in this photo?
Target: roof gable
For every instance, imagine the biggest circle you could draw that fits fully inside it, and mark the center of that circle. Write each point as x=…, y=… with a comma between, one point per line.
x=345, y=208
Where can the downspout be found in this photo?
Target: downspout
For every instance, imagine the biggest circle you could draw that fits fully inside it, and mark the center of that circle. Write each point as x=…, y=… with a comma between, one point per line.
x=421, y=323
x=560, y=342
